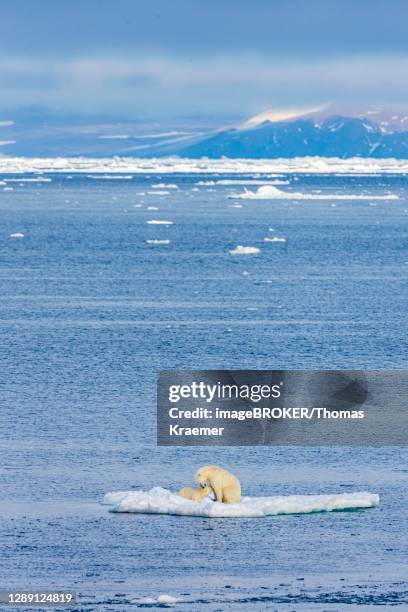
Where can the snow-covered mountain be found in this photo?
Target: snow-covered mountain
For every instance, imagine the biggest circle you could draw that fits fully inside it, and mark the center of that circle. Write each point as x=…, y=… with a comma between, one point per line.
x=271, y=134
x=335, y=136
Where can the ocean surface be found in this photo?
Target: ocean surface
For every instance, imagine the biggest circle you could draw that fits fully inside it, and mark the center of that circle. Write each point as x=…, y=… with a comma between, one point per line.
x=90, y=312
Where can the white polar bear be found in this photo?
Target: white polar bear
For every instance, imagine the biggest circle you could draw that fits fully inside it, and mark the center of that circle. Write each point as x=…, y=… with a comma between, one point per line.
x=225, y=485
x=196, y=495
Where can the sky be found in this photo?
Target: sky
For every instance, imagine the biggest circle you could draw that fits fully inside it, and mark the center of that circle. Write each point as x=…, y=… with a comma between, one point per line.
x=175, y=58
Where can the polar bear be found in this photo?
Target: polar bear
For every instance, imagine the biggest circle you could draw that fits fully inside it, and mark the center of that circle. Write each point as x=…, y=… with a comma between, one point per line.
x=225, y=485
x=196, y=495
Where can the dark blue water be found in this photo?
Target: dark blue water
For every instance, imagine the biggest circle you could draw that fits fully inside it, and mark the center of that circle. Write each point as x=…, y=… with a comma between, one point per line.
x=90, y=312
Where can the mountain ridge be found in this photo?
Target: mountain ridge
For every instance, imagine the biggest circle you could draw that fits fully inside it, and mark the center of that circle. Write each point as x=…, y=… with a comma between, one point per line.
x=334, y=136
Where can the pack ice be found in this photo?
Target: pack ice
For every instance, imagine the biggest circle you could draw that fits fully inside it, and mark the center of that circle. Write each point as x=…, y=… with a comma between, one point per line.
x=163, y=501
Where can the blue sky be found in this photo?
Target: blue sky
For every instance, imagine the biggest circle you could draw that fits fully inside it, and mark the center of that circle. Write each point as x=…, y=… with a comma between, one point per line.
x=178, y=57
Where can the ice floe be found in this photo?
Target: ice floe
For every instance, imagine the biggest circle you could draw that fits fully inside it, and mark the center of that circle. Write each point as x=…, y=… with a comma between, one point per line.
x=245, y=250
x=155, y=241
x=40, y=179
x=165, y=186
x=116, y=165
x=269, y=192
x=159, y=222
x=158, y=193
x=17, y=235
x=252, y=182
x=163, y=501
x=160, y=599
x=274, y=239
x=110, y=177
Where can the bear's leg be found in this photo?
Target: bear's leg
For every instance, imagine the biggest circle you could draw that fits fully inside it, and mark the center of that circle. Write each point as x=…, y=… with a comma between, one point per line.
x=231, y=496
x=217, y=493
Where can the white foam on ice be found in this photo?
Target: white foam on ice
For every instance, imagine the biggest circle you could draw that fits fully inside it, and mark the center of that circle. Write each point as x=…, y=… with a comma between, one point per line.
x=269, y=192
x=245, y=250
x=163, y=501
x=116, y=165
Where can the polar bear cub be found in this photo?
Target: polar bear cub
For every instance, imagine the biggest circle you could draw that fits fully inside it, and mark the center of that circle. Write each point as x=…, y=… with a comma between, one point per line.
x=196, y=495
x=226, y=486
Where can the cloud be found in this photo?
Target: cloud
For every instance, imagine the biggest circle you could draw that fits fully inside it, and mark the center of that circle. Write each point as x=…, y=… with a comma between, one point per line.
x=157, y=85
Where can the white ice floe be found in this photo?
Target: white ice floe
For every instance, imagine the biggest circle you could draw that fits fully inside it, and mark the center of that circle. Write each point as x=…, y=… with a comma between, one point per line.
x=159, y=222
x=252, y=182
x=158, y=193
x=161, y=599
x=110, y=177
x=152, y=208
x=8, y=188
x=17, y=235
x=173, y=165
x=40, y=179
x=165, y=186
x=155, y=241
x=274, y=239
x=245, y=250
x=234, y=205
x=163, y=501
x=269, y=192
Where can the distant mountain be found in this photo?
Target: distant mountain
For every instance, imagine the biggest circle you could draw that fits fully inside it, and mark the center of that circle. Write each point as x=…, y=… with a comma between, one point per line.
x=335, y=136
x=37, y=131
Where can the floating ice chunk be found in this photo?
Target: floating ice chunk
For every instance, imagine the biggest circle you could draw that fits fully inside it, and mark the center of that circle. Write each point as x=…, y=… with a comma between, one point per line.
x=110, y=177
x=40, y=179
x=163, y=501
x=8, y=188
x=155, y=241
x=234, y=205
x=137, y=205
x=159, y=222
x=152, y=208
x=245, y=250
x=17, y=235
x=269, y=192
x=167, y=599
x=274, y=239
x=251, y=182
x=161, y=599
x=165, y=186
x=158, y=193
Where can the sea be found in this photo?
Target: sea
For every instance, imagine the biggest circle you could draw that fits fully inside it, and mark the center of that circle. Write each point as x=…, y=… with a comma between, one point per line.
x=91, y=310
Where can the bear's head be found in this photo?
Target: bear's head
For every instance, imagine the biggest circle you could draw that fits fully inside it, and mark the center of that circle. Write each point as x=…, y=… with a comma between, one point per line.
x=203, y=474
